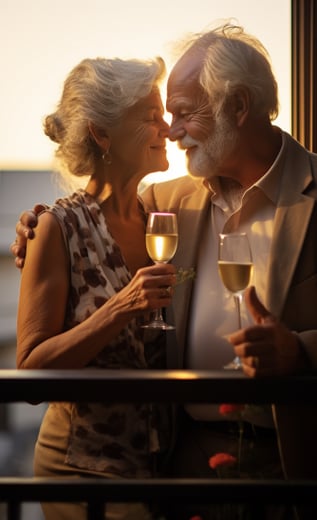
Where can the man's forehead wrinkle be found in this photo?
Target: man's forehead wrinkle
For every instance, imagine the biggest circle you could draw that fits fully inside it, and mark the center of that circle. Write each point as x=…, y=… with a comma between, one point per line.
x=183, y=80
x=189, y=65
x=184, y=71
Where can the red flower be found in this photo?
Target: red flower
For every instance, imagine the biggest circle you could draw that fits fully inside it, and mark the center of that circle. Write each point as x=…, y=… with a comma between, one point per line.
x=227, y=409
x=222, y=459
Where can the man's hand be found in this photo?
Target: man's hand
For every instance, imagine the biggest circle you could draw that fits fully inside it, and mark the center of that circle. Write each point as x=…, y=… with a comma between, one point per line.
x=268, y=348
x=24, y=231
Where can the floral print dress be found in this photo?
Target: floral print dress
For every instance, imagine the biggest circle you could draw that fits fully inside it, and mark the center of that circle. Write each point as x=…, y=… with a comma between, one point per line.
x=112, y=439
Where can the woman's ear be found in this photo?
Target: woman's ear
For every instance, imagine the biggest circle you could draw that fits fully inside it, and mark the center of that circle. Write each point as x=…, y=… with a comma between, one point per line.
x=99, y=135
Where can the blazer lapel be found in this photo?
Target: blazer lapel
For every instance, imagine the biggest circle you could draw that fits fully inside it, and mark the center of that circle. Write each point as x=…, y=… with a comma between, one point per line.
x=289, y=233
x=291, y=221
x=191, y=214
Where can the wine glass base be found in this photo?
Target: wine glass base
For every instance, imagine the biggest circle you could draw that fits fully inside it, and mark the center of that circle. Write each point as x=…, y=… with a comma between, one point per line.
x=234, y=365
x=158, y=325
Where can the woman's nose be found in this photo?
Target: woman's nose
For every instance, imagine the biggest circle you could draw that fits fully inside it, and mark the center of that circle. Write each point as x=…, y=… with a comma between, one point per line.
x=165, y=129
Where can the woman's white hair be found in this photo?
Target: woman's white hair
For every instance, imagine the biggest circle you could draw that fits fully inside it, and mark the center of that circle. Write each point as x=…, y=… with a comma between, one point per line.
x=98, y=91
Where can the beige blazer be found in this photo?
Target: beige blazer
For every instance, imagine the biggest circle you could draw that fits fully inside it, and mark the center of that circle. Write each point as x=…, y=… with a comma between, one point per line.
x=292, y=279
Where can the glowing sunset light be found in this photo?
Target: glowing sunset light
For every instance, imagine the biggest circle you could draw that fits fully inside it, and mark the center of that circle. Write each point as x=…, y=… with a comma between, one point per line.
x=42, y=40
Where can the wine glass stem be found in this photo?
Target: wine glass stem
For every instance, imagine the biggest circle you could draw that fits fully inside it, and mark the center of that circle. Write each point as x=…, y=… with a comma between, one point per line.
x=237, y=299
x=158, y=316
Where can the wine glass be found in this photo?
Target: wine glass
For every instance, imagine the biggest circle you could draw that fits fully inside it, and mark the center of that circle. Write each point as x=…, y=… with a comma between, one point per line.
x=161, y=240
x=235, y=269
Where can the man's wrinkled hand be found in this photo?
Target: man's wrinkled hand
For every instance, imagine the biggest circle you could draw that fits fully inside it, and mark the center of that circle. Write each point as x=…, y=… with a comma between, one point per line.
x=268, y=348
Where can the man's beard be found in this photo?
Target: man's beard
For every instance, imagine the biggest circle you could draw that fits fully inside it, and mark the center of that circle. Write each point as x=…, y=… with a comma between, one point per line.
x=210, y=155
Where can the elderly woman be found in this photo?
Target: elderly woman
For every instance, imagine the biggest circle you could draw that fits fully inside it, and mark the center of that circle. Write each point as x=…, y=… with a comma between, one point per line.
x=88, y=275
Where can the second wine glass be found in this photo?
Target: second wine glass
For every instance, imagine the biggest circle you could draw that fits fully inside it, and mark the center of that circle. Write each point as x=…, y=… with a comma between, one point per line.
x=161, y=243
x=235, y=269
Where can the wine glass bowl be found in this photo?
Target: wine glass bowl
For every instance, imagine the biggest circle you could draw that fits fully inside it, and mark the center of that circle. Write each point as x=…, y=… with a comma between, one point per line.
x=161, y=239
x=235, y=269
x=235, y=276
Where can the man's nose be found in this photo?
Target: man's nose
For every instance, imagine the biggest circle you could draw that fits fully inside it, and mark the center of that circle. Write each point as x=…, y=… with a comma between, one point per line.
x=176, y=131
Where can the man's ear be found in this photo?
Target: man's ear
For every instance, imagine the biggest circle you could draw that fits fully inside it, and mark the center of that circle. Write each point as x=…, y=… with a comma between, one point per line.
x=241, y=105
x=99, y=135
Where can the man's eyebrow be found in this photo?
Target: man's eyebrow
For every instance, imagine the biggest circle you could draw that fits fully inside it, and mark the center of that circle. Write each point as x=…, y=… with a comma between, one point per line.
x=177, y=106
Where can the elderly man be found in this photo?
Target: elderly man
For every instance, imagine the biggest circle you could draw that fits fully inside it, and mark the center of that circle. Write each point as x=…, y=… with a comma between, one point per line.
x=246, y=175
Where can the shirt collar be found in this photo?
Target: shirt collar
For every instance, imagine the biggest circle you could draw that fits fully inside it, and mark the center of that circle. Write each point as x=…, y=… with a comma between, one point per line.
x=269, y=183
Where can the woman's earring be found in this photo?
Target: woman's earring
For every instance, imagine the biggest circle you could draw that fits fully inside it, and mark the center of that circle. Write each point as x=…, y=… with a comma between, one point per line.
x=106, y=157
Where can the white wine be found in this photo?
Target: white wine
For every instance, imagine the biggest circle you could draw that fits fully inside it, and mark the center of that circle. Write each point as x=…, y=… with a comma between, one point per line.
x=161, y=248
x=235, y=276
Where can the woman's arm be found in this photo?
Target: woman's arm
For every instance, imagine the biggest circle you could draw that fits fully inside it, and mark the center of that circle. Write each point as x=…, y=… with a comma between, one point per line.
x=41, y=341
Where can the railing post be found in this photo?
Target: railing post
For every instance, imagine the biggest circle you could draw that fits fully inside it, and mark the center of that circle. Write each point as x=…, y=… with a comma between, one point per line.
x=95, y=510
x=14, y=511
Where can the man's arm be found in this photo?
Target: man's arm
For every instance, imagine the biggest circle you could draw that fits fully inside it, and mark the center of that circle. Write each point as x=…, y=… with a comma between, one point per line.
x=25, y=230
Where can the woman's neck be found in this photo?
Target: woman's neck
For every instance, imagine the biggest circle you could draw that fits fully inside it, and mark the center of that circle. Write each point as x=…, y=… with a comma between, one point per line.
x=115, y=198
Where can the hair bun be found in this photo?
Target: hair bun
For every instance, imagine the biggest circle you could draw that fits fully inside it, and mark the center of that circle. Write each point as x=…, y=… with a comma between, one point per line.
x=53, y=128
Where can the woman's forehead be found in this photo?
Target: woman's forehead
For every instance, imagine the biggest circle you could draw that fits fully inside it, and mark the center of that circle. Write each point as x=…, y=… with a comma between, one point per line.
x=152, y=101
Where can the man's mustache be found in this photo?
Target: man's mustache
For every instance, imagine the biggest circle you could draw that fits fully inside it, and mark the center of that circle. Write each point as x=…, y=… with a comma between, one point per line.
x=187, y=142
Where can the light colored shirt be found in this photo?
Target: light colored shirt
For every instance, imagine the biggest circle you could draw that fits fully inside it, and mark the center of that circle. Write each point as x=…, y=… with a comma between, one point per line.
x=213, y=311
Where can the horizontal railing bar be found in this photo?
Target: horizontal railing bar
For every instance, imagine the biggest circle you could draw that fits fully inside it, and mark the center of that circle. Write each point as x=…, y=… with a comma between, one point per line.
x=21, y=489
x=178, y=386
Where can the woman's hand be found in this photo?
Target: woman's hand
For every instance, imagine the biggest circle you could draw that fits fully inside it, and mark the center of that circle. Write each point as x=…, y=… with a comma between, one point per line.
x=150, y=288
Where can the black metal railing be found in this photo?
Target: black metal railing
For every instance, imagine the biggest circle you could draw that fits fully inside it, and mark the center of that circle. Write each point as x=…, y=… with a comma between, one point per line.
x=151, y=386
